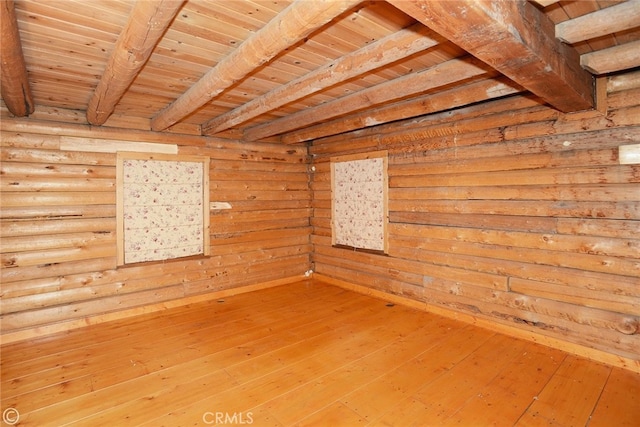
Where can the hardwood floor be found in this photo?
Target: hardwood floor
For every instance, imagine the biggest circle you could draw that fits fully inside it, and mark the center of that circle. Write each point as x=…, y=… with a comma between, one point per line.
x=305, y=354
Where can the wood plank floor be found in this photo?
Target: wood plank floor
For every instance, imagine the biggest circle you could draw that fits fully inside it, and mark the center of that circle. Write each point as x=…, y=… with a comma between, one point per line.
x=305, y=354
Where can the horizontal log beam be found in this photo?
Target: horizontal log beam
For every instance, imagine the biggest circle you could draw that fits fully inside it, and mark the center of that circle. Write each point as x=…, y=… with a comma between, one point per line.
x=147, y=23
x=606, y=21
x=515, y=38
x=448, y=72
x=293, y=24
x=385, y=51
x=16, y=91
x=423, y=105
x=616, y=58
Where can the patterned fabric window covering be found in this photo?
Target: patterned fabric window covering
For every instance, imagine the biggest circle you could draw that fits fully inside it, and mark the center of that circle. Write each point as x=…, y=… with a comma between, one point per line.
x=163, y=203
x=359, y=203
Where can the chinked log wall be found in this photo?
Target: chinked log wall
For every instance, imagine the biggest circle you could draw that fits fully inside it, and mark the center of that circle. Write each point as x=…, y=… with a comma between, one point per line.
x=510, y=214
x=58, y=226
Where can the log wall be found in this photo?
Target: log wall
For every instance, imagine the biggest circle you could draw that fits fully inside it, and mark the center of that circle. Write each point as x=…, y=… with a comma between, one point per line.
x=507, y=213
x=58, y=225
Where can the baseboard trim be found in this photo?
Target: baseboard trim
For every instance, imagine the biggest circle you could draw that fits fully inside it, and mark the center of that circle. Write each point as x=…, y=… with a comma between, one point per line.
x=45, y=330
x=513, y=331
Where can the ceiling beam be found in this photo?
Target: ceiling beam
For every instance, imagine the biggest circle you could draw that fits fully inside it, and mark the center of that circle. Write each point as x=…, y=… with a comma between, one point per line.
x=622, y=82
x=297, y=21
x=606, y=21
x=471, y=93
x=516, y=39
x=448, y=72
x=387, y=50
x=15, y=88
x=615, y=58
x=147, y=23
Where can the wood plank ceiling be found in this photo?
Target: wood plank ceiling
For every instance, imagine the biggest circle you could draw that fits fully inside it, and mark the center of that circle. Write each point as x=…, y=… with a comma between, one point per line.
x=296, y=71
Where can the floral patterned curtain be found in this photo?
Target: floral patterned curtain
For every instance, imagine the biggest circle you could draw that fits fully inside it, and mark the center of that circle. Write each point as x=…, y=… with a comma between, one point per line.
x=359, y=208
x=163, y=212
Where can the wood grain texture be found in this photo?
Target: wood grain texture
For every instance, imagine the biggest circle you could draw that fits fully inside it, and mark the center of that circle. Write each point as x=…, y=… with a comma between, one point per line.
x=302, y=354
x=293, y=24
x=58, y=217
x=123, y=63
x=592, y=25
x=438, y=76
x=622, y=57
x=16, y=89
x=385, y=51
x=544, y=65
x=418, y=106
x=505, y=212
x=147, y=24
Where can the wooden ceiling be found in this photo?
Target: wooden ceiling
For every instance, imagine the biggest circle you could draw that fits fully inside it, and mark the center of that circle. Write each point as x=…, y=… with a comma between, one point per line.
x=296, y=71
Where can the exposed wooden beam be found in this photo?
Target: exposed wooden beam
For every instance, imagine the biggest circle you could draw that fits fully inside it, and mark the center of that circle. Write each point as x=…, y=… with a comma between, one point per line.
x=515, y=38
x=415, y=83
x=616, y=58
x=622, y=82
x=385, y=51
x=606, y=21
x=427, y=104
x=147, y=23
x=16, y=91
x=294, y=23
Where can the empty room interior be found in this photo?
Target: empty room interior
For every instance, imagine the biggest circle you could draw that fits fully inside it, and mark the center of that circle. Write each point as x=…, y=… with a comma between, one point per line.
x=320, y=213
